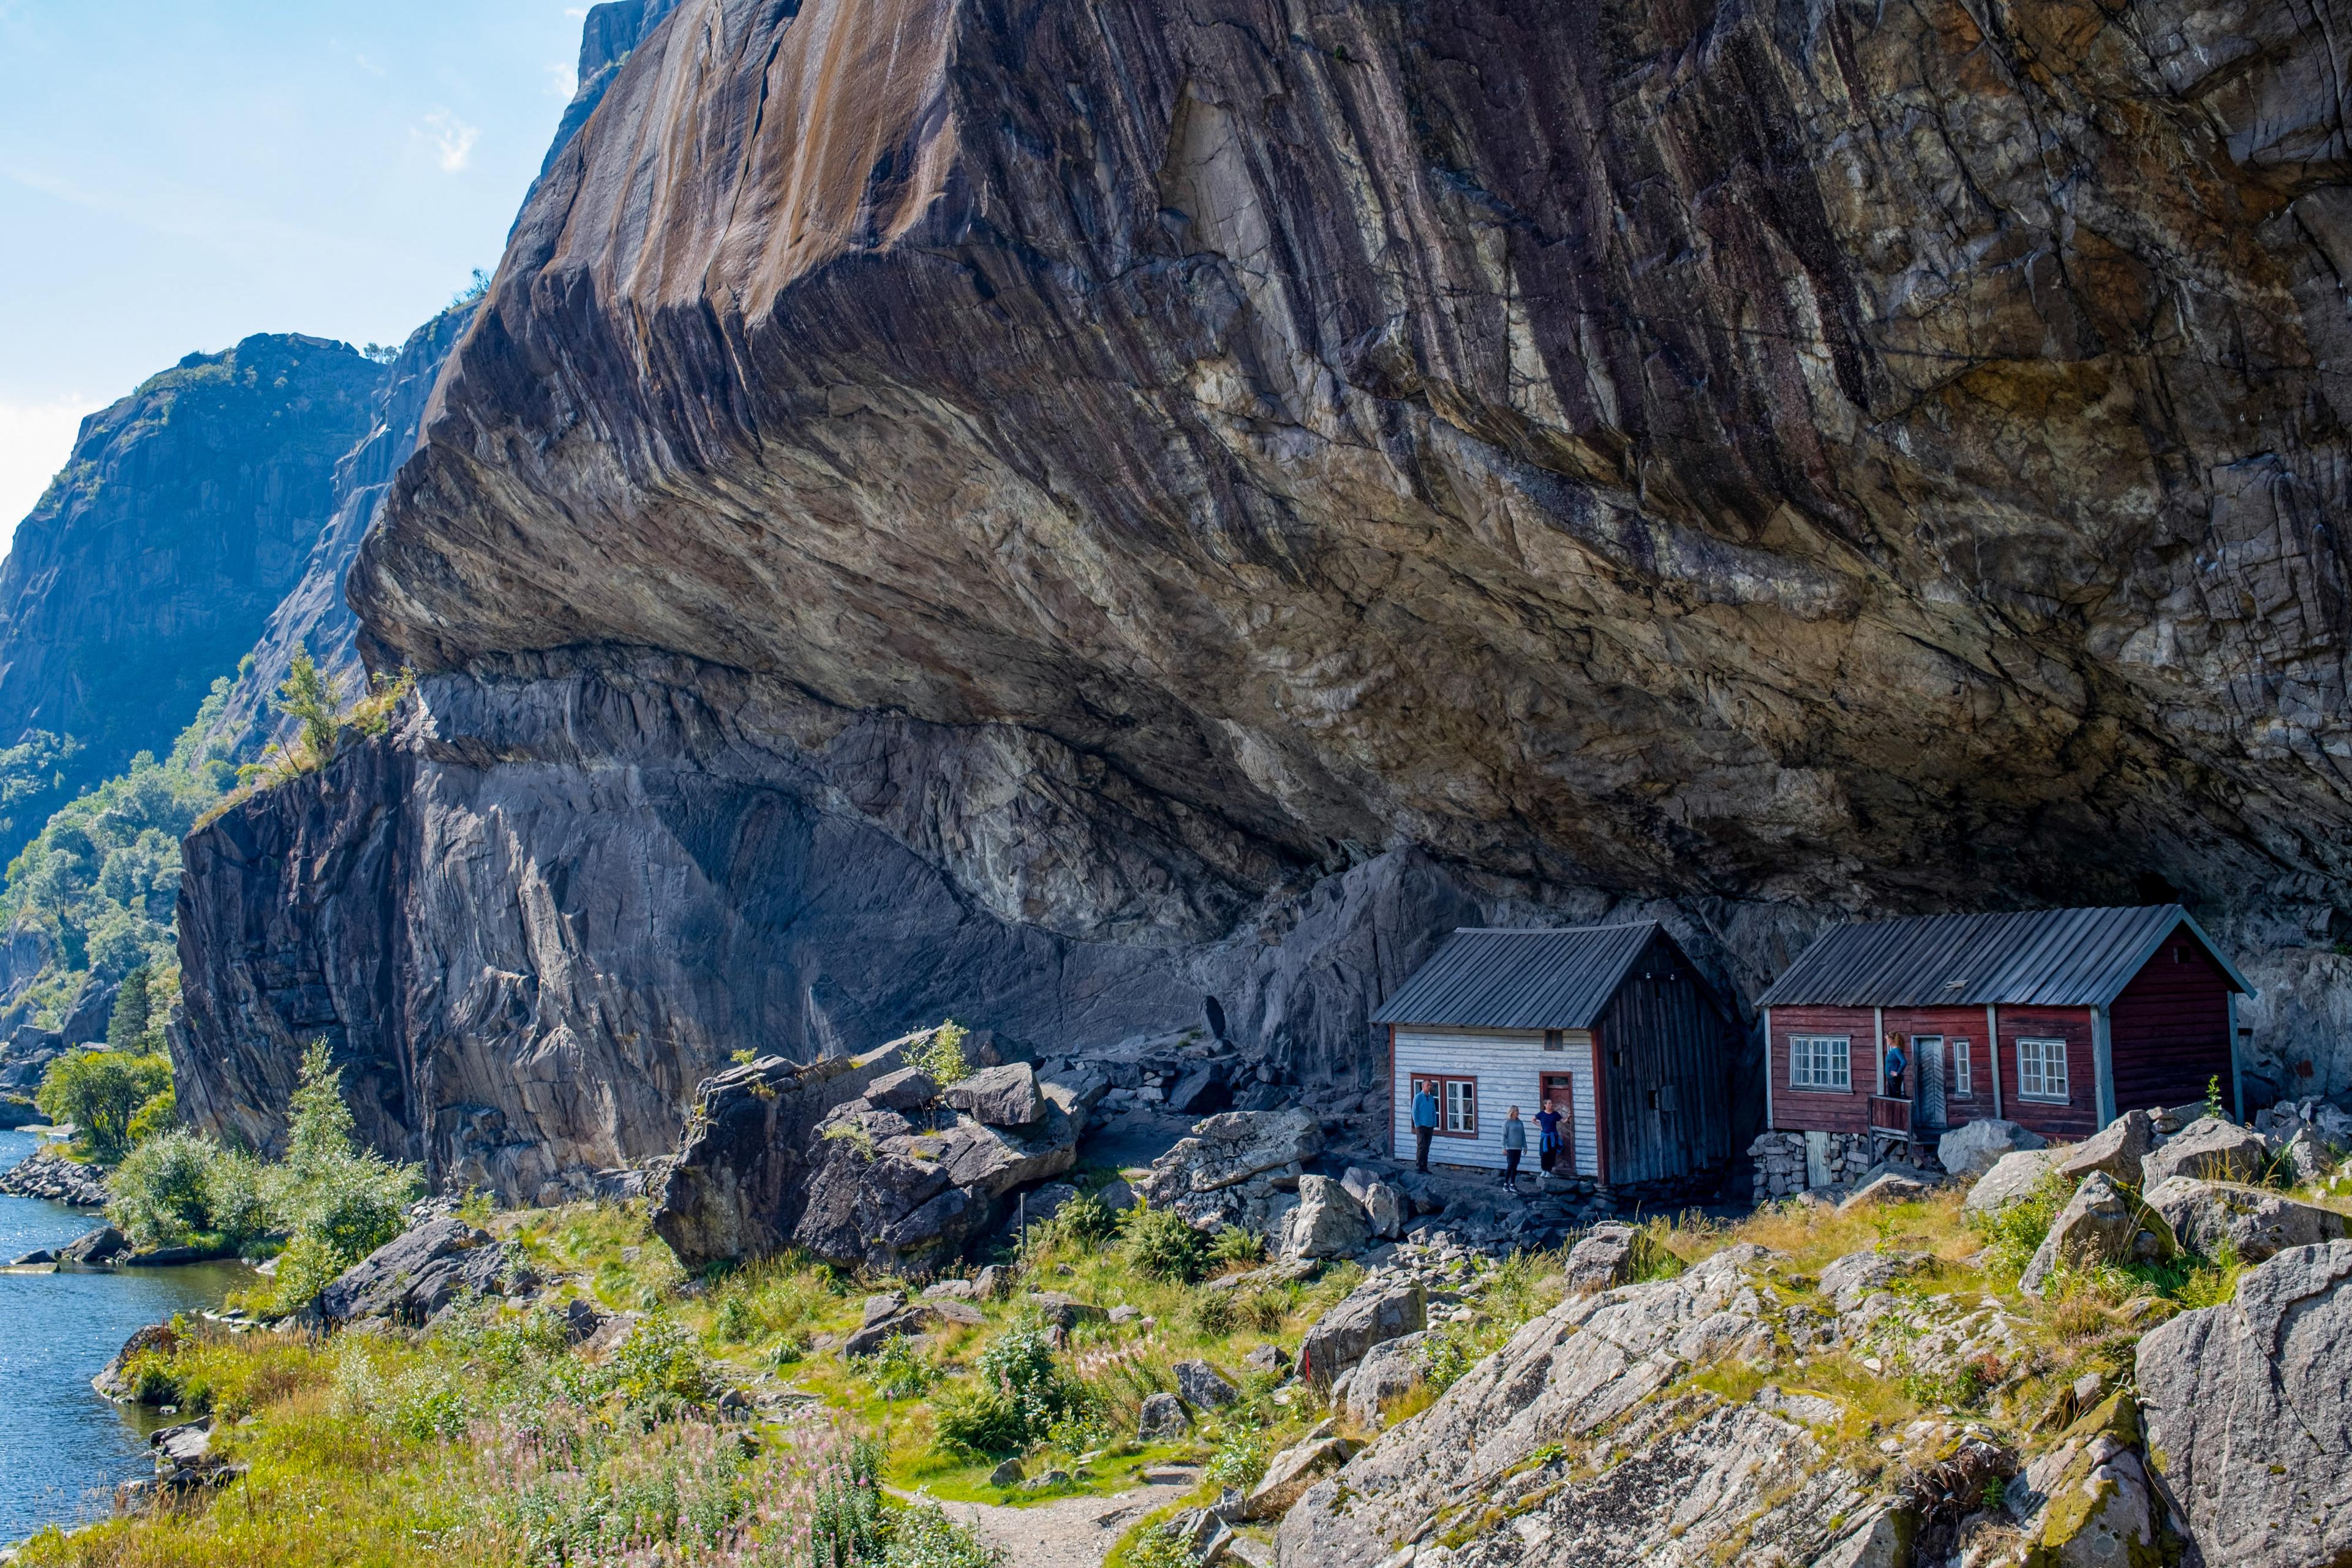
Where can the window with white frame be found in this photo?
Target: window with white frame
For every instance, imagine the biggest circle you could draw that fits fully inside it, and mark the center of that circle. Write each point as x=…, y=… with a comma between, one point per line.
x=1822, y=1061
x=1461, y=1105
x=2041, y=1069
x=1963, y=1073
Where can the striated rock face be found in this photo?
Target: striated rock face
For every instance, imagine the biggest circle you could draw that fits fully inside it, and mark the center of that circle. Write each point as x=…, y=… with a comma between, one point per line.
x=185, y=512
x=1337, y=425
x=1121, y=467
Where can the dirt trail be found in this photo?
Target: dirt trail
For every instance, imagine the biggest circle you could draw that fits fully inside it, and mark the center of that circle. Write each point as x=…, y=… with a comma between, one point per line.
x=1075, y=1533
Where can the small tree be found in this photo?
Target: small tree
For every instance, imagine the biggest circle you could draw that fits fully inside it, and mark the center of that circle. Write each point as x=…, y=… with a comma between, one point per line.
x=126, y=1027
x=99, y=1092
x=314, y=699
x=341, y=1201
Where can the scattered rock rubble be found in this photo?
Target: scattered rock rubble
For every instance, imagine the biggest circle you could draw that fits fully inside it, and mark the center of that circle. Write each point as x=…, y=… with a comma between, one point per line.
x=49, y=1172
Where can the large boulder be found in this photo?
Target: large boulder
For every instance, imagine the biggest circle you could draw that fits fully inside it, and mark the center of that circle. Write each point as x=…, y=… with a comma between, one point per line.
x=2099, y=1225
x=2212, y=1150
x=740, y=1183
x=1005, y=1095
x=1571, y=1444
x=824, y=1158
x=1975, y=1147
x=1371, y=1314
x=2255, y=1222
x=2011, y=1178
x=2085, y=1501
x=2247, y=1417
x=904, y=1091
x=1202, y=1386
x=1388, y=1210
x=1390, y=1370
x=1851, y=1280
x=1326, y=1222
x=1291, y=1472
x=2117, y=1149
x=1602, y=1260
x=413, y=1278
x=1227, y=1149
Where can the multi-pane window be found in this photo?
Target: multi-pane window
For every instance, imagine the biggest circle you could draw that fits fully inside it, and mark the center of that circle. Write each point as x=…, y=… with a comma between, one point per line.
x=1821, y=1061
x=1461, y=1105
x=1457, y=1103
x=2041, y=1069
x=1963, y=1073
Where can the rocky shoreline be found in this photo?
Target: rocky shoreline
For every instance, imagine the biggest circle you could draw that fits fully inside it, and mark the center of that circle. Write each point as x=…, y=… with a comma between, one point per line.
x=49, y=1172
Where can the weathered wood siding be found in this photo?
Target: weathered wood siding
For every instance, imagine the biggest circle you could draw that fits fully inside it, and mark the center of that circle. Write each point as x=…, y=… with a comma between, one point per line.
x=2079, y=1117
x=1664, y=1048
x=1825, y=1111
x=2168, y=1031
x=1509, y=1066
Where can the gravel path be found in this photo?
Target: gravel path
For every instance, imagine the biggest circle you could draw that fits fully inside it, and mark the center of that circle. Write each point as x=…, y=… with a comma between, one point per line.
x=1075, y=1533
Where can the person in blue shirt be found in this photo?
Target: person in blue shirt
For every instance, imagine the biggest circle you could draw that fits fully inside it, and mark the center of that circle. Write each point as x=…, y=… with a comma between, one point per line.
x=1895, y=1063
x=1548, y=1136
x=1515, y=1144
x=1425, y=1124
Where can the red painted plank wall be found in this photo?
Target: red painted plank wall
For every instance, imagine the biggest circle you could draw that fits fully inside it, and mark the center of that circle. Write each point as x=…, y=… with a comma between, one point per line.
x=1812, y=1110
x=2170, y=1029
x=2080, y=1117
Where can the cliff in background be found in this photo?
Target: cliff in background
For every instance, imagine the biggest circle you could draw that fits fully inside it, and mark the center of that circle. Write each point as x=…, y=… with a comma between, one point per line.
x=184, y=516
x=1039, y=512
x=313, y=613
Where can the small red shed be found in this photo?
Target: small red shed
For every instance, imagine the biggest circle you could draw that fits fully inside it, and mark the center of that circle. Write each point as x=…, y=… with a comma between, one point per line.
x=2056, y=1019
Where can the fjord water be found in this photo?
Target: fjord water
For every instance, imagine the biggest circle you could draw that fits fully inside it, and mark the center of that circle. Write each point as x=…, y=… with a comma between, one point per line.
x=63, y=1447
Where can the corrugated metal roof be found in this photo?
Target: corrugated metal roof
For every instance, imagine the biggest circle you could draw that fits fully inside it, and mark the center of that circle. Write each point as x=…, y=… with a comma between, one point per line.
x=1490, y=978
x=2051, y=958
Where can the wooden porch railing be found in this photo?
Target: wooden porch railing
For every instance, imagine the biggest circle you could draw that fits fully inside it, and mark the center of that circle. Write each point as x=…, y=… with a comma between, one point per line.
x=1888, y=1114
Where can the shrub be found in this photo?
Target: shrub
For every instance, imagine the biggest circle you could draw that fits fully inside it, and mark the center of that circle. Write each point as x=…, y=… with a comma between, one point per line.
x=1213, y=1313
x=1240, y=1460
x=1162, y=1245
x=1160, y=1546
x=941, y=1057
x=981, y=1421
x=1237, y=1244
x=180, y=1188
x=1020, y=1392
x=1087, y=1220
x=2015, y=1231
x=896, y=1372
x=926, y=1538
x=99, y=1092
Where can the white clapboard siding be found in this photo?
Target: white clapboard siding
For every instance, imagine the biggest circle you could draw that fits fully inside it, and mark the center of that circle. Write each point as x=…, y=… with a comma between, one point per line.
x=1509, y=1066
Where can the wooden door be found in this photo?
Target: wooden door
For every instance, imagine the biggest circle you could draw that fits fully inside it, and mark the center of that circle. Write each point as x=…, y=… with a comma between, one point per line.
x=1560, y=1088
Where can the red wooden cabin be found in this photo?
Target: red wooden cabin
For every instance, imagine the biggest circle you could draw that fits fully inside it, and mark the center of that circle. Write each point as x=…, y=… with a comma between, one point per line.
x=2057, y=1020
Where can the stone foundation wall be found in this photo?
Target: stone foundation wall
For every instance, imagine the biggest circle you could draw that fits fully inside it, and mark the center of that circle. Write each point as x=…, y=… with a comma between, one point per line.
x=1779, y=1159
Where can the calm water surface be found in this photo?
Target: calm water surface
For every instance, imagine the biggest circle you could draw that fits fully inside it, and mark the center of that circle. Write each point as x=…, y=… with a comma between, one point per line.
x=62, y=1447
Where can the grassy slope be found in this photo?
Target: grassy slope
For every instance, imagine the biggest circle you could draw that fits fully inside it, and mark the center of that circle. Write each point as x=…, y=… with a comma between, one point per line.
x=469, y=1444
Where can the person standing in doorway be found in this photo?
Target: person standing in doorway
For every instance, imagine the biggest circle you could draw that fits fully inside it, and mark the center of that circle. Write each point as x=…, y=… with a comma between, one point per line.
x=1548, y=1137
x=1895, y=1063
x=1514, y=1143
x=1425, y=1125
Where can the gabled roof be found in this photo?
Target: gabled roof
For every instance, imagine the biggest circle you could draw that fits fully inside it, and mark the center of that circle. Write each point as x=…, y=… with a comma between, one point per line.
x=1496, y=978
x=2052, y=958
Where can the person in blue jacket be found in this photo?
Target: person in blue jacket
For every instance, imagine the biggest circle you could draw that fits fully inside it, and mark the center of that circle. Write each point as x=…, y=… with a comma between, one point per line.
x=1425, y=1125
x=1895, y=1063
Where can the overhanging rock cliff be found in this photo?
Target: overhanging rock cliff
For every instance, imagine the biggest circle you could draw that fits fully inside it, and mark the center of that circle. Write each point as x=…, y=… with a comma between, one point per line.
x=1127, y=464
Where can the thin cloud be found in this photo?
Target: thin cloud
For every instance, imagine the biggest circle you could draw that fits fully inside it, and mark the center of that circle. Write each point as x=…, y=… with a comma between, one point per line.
x=562, y=79
x=453, y=139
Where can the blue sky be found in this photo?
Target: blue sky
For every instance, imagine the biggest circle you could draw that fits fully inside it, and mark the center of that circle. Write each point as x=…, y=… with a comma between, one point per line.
x=177, y=173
